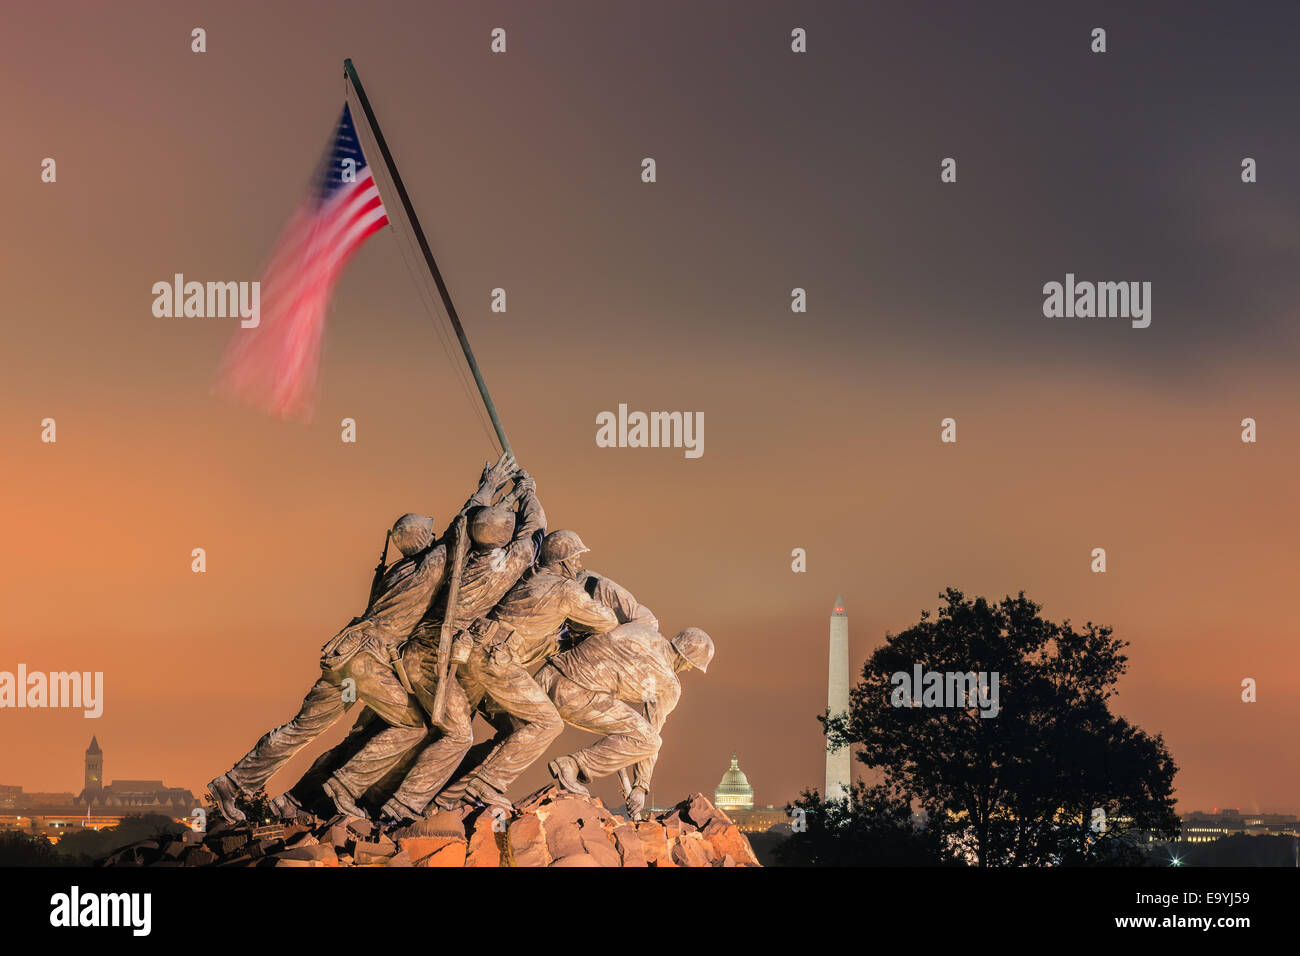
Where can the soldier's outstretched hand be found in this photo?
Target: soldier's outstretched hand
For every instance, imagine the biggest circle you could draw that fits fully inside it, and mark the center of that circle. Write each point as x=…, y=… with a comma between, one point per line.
x=499, y=473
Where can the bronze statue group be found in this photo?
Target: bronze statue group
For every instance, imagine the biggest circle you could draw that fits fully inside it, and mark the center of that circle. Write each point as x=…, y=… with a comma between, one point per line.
x=495, y=617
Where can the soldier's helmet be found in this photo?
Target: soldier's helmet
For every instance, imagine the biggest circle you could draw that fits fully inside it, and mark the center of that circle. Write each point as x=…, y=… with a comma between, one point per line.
x=491, y=526
x=412, y=533
x=696, y=646
x=560, y=546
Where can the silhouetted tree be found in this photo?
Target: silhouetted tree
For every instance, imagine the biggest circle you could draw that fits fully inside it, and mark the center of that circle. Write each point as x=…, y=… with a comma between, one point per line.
x=1018, y=788
x=85, y=846
x=23, y=849
x=871, y=826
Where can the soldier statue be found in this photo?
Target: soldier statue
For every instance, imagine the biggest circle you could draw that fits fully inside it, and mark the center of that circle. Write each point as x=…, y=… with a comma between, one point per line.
x=495, y=617
x=503, y=547
x=363, y=652
x=622, y=684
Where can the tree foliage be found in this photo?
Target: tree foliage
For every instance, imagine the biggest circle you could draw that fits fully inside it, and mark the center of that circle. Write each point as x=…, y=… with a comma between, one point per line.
x=18, y=848
x=870, y=825
x=86, y=846
x=1019, y=788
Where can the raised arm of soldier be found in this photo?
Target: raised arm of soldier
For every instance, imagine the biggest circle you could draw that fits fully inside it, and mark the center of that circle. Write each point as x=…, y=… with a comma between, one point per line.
x=407, y=588
x=589, y=613
x=493, y=479
x=504, y=546
x=618, y=599
x=530, y=519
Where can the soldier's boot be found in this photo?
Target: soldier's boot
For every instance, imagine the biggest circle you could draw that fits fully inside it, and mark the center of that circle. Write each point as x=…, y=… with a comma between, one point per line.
x=224, y=791
x=395, y=811
x=344, y=802
x=566, y=772
x=473, y=790
x=452, y=796
x=288, y=808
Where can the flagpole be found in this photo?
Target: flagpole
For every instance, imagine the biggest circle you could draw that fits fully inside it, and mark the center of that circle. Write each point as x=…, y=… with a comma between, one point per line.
x=350, y=72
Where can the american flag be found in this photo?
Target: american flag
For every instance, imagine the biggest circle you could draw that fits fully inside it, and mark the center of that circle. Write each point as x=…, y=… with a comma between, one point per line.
x=274, y=364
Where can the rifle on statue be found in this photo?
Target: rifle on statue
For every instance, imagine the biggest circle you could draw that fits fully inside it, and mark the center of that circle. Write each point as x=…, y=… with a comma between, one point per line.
x=444, y=663
x=380, y=569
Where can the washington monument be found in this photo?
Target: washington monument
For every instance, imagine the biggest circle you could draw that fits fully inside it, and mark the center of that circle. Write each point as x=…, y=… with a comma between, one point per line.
x=837, y=700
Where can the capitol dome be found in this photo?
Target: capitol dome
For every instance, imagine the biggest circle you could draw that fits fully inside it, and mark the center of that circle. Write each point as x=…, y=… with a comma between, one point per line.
x=734, y=792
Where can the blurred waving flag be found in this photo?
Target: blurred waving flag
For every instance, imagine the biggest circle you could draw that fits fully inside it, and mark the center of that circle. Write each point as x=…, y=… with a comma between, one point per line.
x=274, y=364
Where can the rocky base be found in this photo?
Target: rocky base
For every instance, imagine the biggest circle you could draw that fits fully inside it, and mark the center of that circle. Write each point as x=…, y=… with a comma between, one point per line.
x=550, y=828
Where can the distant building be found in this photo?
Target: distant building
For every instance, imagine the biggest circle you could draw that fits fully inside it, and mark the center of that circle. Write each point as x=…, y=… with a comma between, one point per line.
x=94, y=767
x=133, y=794
x=52, y=815
x=758, y=820
x=38, y=799
x=1201, y=827
x=735, y=797
x=54, y=826
x=734, y=791
x=143, y=794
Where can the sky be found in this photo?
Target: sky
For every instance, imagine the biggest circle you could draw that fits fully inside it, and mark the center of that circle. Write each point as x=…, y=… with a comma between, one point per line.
x=775, y=170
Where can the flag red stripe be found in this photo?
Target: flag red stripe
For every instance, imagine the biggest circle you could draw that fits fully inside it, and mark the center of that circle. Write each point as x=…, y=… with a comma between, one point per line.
x=276, y=363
